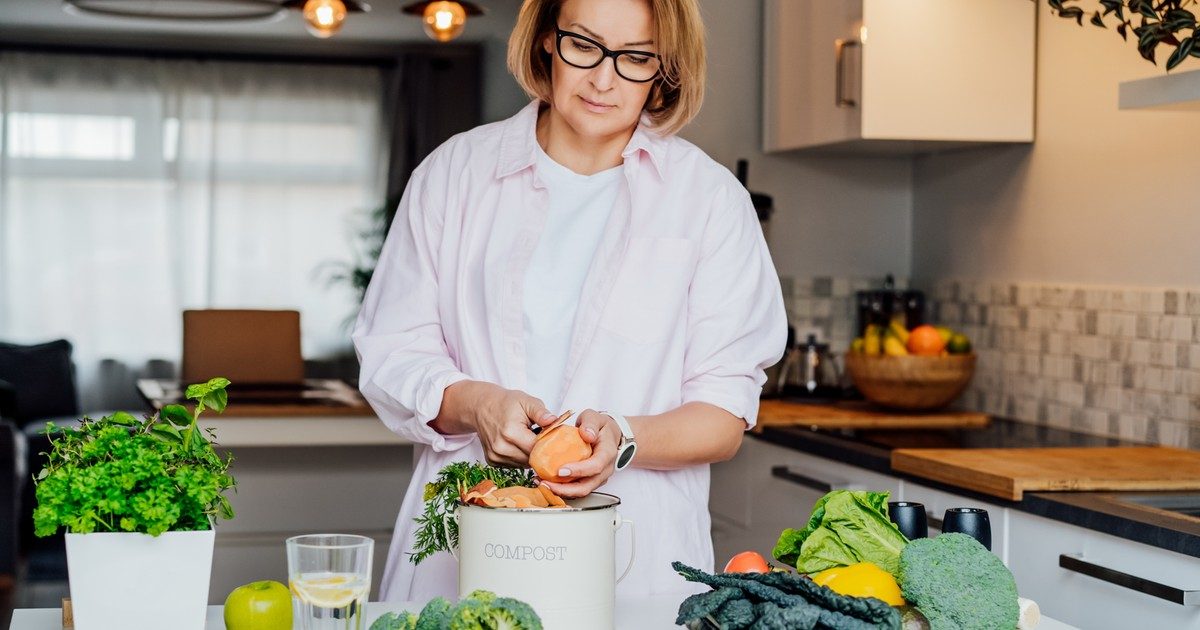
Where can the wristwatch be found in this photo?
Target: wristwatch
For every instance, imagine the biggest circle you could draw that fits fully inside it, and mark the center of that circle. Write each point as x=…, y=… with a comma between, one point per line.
x=628, y=445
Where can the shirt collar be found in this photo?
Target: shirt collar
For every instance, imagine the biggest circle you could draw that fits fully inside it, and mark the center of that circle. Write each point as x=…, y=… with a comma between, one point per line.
x=518, y=143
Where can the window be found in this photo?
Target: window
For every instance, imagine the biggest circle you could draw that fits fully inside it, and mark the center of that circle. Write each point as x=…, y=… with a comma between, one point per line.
x=131, y=189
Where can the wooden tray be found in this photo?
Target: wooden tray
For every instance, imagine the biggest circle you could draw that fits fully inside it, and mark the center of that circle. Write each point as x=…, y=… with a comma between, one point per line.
x=1009, y=472
x=861, y=415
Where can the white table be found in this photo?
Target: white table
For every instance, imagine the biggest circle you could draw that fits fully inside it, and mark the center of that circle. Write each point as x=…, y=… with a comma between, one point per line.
x=639, y=614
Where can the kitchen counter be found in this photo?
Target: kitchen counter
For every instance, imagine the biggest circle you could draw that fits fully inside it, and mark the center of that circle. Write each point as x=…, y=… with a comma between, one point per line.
x=1107, y=512
x=648, y=613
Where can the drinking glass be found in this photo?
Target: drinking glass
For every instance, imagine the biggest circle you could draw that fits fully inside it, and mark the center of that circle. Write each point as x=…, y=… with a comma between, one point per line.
x=909, y=518
x=330, y=579
x=970, y=521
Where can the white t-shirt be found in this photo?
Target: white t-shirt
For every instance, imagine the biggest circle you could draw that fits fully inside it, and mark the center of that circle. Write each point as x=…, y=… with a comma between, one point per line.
x=578, y=210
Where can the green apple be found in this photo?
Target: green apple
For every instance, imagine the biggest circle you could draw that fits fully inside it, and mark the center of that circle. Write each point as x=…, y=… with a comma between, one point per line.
x=265, y=605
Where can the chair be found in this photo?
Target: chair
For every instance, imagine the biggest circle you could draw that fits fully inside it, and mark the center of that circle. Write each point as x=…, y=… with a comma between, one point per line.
x=41, y=378
x=12, y=477
x=12, y=474
x=39, y=385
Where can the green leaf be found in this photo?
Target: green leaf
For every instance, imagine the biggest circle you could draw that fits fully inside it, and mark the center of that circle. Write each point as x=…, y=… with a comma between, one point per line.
x=200, y=390
x=167, y=432
x=1072, y=13
x=216, y=400
x=122, y=418
x=845, y=527
x=177, y=415
x=1181, y=53
x=1097, y=20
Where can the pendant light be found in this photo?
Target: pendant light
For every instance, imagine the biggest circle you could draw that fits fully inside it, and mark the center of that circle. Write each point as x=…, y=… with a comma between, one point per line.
x=196, y=11
x=443, y=19
x=324, y=18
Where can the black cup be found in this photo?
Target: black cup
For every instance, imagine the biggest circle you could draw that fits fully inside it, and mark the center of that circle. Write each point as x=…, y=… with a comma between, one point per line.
x=970, y=521
x=909, y=518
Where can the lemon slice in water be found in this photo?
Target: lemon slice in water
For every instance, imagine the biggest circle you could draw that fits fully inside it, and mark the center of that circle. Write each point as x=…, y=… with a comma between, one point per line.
x=329, y=591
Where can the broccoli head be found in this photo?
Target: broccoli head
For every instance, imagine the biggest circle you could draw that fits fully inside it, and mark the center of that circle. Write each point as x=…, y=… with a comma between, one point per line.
x=395, y=621
x=435, y=615
x=958, y=584
x=483, y=610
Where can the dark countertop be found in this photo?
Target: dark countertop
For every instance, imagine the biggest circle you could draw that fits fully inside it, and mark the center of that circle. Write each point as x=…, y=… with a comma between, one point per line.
x=1107, y=512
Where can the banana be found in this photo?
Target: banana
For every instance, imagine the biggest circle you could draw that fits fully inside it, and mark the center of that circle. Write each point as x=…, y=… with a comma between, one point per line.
x=871, y=344
x=893, y=347
x=898, y=329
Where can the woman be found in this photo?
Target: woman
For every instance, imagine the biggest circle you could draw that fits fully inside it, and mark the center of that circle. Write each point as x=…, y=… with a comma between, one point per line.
x=578, y=256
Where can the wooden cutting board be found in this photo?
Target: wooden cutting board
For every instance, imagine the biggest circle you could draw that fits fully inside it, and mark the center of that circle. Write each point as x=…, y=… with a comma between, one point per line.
x=1008, y=472
x=861, y=415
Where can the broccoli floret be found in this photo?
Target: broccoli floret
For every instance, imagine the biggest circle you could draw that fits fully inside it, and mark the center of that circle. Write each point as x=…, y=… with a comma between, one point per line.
x=958, y=584
x=482, y=610
x=395, y=621
x=481, y=596
x=514, y=614
x=435, y=615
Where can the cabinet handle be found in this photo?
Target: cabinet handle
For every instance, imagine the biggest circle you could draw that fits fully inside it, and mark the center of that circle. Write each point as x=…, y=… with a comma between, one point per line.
x=840, y=46
x=1132, y=582
x=786, y=474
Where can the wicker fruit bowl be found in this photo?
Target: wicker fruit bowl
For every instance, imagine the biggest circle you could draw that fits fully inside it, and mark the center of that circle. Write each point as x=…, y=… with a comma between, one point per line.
x=911, y=382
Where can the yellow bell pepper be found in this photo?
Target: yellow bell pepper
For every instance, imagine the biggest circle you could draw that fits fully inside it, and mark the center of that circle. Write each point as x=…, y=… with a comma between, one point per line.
x=862, y=580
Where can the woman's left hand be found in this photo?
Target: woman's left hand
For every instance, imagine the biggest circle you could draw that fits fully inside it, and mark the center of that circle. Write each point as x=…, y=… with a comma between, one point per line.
x=602, y=433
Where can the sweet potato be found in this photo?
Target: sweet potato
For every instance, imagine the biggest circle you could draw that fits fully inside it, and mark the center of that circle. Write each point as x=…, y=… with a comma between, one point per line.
x=555, y=448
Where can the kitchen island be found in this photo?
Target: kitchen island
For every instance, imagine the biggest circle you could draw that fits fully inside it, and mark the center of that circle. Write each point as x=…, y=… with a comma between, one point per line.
x=650, y=613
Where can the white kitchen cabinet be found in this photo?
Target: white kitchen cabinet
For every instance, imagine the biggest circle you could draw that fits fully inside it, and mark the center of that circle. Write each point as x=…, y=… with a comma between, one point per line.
x=1036, y=545
x=881, y=76
x=767, y=488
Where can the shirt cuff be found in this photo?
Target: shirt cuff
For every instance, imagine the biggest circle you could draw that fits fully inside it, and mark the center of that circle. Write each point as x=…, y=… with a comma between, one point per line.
x=737, y=395
x=429, y=404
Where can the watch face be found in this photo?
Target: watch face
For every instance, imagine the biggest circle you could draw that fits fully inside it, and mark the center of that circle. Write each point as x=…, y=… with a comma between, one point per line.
x=625, y=456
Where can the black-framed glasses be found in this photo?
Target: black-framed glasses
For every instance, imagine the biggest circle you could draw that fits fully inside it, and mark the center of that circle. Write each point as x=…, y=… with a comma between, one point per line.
x=577, y=50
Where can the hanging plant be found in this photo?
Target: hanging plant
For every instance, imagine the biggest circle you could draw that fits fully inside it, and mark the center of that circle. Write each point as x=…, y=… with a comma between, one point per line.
x=1163, y=22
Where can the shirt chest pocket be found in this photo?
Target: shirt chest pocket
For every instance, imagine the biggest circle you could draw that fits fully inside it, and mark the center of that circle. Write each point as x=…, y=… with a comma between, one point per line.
x=650, y=291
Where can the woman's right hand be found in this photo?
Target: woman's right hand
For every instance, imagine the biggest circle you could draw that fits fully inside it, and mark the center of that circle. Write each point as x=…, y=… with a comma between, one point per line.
x=501, y=417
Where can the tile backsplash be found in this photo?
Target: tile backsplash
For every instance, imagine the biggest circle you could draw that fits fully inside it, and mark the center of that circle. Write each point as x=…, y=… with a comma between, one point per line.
x=1113, y=361
x=824, y=305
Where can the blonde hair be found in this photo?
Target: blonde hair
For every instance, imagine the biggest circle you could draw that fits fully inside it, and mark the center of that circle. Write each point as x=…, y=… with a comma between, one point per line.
x=676, y=94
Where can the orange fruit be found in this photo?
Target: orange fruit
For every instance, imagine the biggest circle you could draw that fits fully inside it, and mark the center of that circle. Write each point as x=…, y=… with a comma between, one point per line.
x=926, y=341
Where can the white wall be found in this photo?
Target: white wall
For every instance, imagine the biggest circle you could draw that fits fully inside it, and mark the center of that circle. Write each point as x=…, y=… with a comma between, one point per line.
x=833, y=215
x=1102, y=197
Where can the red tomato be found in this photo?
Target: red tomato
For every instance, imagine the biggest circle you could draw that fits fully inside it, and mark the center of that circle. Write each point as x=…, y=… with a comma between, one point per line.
x=747, y=562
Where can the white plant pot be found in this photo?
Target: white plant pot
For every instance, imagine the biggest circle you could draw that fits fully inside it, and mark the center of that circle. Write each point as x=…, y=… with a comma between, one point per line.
x=140, y=582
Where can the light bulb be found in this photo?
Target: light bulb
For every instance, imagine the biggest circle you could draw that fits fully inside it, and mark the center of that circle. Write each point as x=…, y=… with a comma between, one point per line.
x=324, y=17
x=444, y=20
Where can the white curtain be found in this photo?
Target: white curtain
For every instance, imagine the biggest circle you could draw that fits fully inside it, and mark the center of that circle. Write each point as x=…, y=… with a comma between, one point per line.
x=131, y=189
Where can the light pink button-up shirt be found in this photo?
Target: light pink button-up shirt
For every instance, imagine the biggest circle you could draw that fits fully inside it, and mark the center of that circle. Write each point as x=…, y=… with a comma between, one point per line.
x=681, y=303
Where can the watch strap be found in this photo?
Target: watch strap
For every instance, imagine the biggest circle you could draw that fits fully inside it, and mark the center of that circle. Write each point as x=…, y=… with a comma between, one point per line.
x=628, y=446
